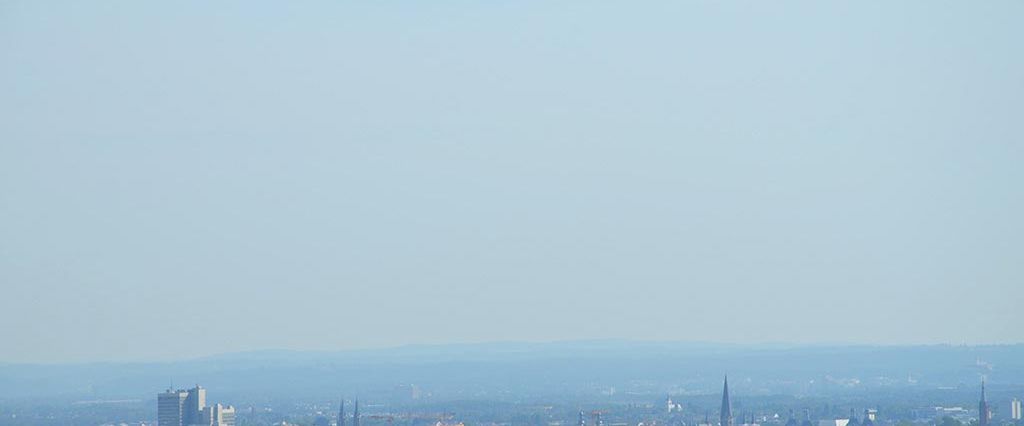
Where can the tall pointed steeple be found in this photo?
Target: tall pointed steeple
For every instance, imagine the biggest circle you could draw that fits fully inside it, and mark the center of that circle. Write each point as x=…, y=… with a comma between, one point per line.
x=983, y=399
x=983, y=410
x=725, y=417
x=341, y=413
x=355, y=414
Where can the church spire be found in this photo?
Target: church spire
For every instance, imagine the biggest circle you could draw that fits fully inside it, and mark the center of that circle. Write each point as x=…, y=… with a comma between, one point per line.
x=725, y=417
x=983, y=410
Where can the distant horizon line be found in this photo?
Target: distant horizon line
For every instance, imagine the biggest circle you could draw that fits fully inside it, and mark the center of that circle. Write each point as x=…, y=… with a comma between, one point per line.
x=483, y=344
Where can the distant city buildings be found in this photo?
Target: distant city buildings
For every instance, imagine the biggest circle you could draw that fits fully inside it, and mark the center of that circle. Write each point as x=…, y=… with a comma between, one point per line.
x=218, y=415
x=853, y=419
x=341, y=413
x=188, y=408
x=195, y=403
x=1015, y=410
x=673, y=407
x=807, y=419
x=170, y=407
x=192, y=407
x=870, y=416
x=960, y=414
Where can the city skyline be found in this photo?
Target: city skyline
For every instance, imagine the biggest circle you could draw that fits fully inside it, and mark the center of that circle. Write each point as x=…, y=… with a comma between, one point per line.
x=183, y=407
x=186, y=407
x=511, y=213
x=773, y=387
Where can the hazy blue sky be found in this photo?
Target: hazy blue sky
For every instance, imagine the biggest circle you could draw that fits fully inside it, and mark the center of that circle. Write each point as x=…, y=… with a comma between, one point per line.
x=187, y=178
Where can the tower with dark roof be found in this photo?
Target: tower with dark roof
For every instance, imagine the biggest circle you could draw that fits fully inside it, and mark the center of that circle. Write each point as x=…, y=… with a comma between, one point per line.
x=725, y=416
x=983, y=411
